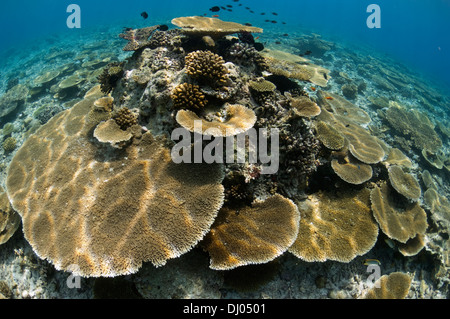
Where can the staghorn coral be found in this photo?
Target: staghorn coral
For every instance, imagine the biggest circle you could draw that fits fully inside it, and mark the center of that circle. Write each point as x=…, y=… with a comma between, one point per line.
x=111, y=74
x=99, y=212
x=215, y=28
x=252, y=235
x=393, y=286
x=404, y=183
x=335, y=227
x=399, y=220
x=9, y=144
x=125, y=118
x=9, y=219
x=206, y=67
x=236, y=119
x=188, y=96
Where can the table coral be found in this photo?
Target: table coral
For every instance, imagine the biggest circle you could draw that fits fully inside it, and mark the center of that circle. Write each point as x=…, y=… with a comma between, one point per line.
x=404, y=183
x=254, y=234
x=99, y=212
x=393, y=286
x=9, y=219
x=237, y=119
x=399, y=220
x=335, y=227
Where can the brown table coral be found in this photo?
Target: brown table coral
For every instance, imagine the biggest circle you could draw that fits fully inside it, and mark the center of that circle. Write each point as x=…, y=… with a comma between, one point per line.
x=98, y=211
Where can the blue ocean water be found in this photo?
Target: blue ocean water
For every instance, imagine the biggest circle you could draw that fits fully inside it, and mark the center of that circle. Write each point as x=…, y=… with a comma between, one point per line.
x=413, y=31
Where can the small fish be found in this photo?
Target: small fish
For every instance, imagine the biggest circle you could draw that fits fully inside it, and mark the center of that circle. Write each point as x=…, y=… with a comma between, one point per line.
x=163, y=27
x=223, y=8
x=390, y=242
x=329, y=98
x=251, y=11
x=274, y=13
x=144, y=15
x=235, y=0
x=248, y=24
x=229, y=6
x=283, y=22
x=273, y=21
x=285, y=35
x=277, y=42
x=266, y=20
x=215, y=16
x=214, y=9
x=263, y=13
x=256, y=38
x=368, y=262
x=308, y=52
x=313, y=88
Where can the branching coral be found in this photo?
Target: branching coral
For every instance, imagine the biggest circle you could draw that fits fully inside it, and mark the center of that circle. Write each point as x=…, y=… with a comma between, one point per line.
x=111, y=74
x=9, y=144
x=125, y=118
x=188, y=96
x=206, y=67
